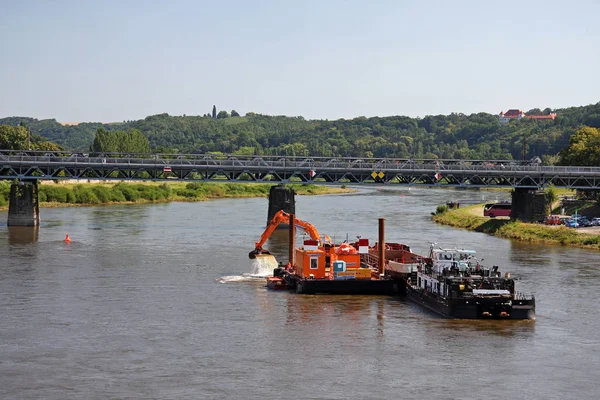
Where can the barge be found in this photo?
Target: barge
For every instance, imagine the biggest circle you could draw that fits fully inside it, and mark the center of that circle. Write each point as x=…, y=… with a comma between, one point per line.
x=454, y=284
x=449, y=282
x=321, y=266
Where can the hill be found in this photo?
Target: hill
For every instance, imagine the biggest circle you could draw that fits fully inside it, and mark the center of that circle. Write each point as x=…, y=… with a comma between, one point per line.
x=475, y=136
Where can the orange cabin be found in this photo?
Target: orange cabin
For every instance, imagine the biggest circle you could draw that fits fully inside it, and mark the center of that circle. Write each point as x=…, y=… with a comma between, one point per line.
x=310, y=264
x=352, y=260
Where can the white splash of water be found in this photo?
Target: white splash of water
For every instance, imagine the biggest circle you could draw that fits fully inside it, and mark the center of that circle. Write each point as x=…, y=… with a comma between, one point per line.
x=262, y=266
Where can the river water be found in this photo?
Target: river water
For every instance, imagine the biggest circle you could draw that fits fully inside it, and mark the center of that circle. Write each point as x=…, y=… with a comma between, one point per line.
x=162, y=302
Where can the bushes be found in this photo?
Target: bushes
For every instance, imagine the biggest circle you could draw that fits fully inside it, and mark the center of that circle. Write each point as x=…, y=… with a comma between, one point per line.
x=151, y=192
x=441, y=209
x=187, y=193
x=126, y=191
x=85, y=195
x=56, y=194
x=4, y=193
x=98, y=194
x=134, y=192
x=202, y=191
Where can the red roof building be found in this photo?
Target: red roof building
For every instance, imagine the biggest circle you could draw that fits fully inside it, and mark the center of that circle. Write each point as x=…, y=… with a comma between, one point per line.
x=518, y=114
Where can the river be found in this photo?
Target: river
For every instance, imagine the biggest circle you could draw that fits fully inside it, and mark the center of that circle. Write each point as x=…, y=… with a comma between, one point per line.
x=162, y=302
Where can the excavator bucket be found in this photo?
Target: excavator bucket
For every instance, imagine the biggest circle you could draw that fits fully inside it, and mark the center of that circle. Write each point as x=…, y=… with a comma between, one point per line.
x=257, y=252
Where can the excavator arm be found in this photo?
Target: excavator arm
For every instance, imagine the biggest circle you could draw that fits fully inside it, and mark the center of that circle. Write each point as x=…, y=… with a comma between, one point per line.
x=279, y=218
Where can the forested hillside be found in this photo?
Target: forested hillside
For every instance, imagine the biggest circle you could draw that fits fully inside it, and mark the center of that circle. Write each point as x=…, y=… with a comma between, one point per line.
x=444, y=136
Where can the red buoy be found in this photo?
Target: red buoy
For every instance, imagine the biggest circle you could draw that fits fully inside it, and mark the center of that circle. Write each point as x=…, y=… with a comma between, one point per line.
x=67, y=238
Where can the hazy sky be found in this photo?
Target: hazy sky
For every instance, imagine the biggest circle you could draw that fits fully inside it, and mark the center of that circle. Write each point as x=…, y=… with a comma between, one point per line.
x=119, y=60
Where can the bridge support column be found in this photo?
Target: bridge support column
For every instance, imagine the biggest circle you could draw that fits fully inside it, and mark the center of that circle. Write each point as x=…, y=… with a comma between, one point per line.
x=529, y=205
x=23, y=207
x=281, y=197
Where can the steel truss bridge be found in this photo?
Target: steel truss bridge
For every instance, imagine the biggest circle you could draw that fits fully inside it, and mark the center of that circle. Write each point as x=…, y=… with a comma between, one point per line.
x=40, y=165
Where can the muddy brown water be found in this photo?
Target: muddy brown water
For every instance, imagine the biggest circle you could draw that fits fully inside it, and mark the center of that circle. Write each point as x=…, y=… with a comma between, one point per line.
x=162, y=302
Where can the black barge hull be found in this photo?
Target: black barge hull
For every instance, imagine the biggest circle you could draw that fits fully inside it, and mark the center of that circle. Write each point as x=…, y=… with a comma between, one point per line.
x=473, y=308
x=351, y=286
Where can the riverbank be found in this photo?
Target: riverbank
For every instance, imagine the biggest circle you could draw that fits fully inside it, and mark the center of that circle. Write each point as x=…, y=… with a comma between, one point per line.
x=88, y=194
x=471, y=218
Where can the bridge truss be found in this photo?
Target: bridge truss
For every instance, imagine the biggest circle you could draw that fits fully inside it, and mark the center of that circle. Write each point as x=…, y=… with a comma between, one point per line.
x=33, y=165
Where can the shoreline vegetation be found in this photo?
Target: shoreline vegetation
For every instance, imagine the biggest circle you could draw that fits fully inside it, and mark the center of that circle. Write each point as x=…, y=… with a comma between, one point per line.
x=471, y=218
x=106, y=193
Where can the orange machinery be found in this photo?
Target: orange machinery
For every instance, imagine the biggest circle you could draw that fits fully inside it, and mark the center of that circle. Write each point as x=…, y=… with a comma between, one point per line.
x=281, y=217
x=310, y=264
x=351, y=263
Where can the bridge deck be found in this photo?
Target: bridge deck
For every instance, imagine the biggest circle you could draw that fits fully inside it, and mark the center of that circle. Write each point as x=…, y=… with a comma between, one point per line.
x=32, y=165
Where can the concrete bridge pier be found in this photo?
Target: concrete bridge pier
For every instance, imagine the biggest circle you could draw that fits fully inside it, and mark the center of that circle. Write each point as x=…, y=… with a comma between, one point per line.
x=281, y=197
x=23, y=206
x=529, y=205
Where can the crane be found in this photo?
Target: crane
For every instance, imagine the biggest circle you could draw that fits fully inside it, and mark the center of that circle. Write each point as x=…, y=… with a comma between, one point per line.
x=283, y=217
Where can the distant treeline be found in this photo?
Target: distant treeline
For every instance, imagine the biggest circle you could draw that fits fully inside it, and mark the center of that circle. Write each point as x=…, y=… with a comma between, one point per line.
x=475, y=136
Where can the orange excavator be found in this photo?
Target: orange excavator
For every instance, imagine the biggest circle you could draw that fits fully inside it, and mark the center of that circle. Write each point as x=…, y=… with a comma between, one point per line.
x=281, y=217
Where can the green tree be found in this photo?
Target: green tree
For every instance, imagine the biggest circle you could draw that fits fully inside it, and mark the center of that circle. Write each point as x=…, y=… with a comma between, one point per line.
x=105, y=142
x=222, y=114
x=129, y=141
x=13, y=137
x=46, y=146
x=583, y=149
x=551, y=197
x=234, y=113
x=214, y=111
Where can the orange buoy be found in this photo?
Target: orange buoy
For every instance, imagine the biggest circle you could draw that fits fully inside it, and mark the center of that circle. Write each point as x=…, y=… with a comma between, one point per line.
x=67, y=238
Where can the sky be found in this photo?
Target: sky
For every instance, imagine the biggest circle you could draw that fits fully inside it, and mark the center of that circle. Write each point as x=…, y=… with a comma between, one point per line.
x=111, y=61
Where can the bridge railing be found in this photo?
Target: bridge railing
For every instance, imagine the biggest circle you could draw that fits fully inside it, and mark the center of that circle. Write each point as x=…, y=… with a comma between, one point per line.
x=287, y=162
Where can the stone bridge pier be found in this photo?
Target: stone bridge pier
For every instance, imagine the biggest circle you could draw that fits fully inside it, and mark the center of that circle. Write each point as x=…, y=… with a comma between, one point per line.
x=281, y=197
x=529, y=205
x=23, y=206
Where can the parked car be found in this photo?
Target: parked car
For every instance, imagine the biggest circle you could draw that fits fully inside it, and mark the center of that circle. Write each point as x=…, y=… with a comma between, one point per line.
x=595, y=221
x=582, y=220
x=552, y=220
x=571, y=223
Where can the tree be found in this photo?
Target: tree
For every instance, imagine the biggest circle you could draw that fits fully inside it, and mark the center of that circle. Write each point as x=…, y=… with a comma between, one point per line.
x=19, y=138
x=214, y=112
x=13, y=137
x=583, y=149
x=129, y=141
x=104, y=142
x=234, y=113
x=222, y=114
x=593, y=120
x=46, y=146
x=551, y=196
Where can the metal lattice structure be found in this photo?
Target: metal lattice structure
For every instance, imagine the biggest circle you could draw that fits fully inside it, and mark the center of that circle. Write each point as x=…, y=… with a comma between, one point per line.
x=36, y=165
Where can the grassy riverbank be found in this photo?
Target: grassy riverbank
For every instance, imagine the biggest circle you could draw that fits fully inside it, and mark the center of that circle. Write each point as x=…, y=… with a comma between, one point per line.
x=471, y=218
x=85, y=194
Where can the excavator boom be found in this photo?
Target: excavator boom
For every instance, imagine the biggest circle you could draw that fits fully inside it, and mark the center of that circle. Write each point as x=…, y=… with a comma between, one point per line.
x=279, y=218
